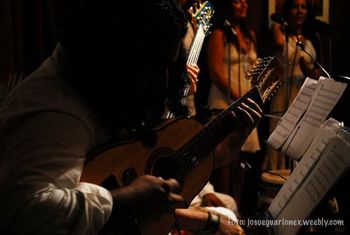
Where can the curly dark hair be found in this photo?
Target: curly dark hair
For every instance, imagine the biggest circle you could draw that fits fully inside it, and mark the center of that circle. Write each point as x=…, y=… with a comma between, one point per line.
x=119, y=53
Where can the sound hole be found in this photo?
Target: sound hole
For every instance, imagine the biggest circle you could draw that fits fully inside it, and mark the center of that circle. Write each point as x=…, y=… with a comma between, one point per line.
x=162, y=164
x=110, y=183
x=129, y=175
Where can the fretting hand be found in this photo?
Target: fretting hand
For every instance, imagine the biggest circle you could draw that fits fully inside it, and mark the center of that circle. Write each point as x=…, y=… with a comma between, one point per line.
x=192, y=72
x=245, y=118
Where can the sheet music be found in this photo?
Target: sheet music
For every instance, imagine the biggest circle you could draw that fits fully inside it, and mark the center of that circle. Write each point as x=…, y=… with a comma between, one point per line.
x=327, y=131
x=293, y=114
x=325, y=97
x=313, y=177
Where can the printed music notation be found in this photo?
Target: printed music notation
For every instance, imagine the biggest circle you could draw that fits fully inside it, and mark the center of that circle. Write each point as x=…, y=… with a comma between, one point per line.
x=321, y=166
x=320, y=146
x=293, y=114
x=299, y=125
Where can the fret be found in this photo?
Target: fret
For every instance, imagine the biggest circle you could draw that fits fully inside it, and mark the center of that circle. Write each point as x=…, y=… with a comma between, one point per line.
x=212, y=134
x=202, y=18
x=264, y=82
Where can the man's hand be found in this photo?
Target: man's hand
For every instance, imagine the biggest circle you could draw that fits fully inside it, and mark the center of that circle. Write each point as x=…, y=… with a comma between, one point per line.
x=245, y=119
x=210, y=199
x=147, y=194
x=195, y=219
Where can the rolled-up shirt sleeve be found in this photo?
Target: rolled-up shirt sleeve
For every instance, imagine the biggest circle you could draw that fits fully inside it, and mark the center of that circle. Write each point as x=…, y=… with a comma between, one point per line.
x=80, y=210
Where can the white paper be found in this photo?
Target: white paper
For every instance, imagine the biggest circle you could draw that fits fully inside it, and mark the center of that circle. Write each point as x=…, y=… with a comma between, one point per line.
x=325, y=97
x=293, y=114
x=312, y=178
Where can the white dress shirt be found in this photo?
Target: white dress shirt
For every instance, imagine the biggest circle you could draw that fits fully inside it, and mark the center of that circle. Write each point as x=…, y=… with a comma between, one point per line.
x=45, y=133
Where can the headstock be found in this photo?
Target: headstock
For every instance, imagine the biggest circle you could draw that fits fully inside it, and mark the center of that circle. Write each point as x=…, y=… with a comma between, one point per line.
x=202, y=13
x=265, y=74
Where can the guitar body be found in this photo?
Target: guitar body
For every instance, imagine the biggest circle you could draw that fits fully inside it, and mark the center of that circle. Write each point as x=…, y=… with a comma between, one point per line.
x=118, y=165
x=177, y=148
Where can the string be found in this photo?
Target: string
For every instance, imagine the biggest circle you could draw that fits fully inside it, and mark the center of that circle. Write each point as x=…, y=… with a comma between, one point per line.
x=192, y=59
x=197, y=45
x=193, y=150
x=212, y=134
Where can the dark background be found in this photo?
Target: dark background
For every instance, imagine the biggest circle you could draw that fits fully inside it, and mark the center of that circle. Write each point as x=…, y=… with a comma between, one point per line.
x=29, y=30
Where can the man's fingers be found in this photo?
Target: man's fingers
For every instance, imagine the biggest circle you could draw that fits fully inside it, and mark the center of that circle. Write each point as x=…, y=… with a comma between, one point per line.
x=177, y=201
x=173, y=185
x=247, y=114
x=169, y=185
x=252, y=111
x=249, y=110
x=256, y=106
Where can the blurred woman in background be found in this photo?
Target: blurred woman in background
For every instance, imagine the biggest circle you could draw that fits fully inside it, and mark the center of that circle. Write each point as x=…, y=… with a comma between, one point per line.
x=230, y=52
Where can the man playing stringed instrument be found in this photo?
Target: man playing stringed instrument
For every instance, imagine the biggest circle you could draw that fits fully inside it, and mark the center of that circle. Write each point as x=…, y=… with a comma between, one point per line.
x=106, y=81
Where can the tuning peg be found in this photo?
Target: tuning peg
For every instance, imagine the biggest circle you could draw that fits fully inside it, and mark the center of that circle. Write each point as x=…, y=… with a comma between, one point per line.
x=272, y=92
x=191, y=11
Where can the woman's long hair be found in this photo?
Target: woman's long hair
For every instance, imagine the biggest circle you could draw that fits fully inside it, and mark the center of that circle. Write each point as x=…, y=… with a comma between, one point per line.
x=308, y=28
x=310, y=17
x=224, y=12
